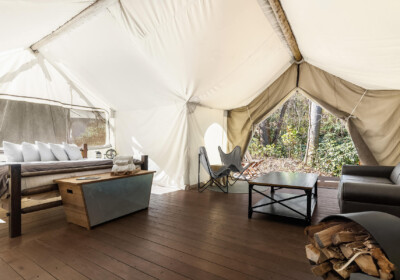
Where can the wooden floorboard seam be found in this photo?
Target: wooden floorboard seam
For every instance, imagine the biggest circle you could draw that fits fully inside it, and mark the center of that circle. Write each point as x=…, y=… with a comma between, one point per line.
x=182, y=235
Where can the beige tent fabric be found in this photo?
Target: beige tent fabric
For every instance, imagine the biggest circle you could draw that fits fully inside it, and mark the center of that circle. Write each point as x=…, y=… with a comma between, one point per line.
x=241, y=120
x=375, y=127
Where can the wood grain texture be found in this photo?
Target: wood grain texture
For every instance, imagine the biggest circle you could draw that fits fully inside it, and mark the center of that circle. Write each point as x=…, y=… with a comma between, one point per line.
x=39, y=190
x=102, y=177
x=74, y=204
x=15, y=200
x=183, y=235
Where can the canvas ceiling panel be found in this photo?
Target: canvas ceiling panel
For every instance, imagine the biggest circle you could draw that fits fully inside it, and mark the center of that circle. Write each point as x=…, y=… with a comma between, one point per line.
x=103, y=59
x=146, y=16
x=25, y=74
x=24, y=22
x=160, y=133
x=358, y=41
x=248, y=81
x=205, y=46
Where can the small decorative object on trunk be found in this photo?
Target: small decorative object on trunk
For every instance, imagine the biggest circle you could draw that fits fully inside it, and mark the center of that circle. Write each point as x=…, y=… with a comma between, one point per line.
x=110, y=154
x=123, y=165
x=340, y=247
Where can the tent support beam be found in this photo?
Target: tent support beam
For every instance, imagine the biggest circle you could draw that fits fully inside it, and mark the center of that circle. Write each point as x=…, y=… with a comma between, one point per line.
x=76, y=20
x=286, y=29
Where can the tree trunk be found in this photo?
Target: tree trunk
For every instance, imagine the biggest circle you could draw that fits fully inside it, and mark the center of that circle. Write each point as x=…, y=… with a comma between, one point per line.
x=313, y=133
x=265, y=132
x=279, y=124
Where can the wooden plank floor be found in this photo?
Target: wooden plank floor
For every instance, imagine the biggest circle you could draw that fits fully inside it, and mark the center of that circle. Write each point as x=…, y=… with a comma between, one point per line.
x=183, y=235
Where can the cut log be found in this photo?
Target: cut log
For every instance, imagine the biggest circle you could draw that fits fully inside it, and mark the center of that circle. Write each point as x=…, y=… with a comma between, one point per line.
x=367, y=265
x=332, y=253
x=313, y=229
x=321, y=269
x=314, y=254
x=349, y=248
x=371, y=244
x=339, y=249
x=343, y=237
x=324, y=237
x=349, y=236
x=346, y=251
x=332, y=276
x=345, y=273
x=385, y=276
x=385, y=266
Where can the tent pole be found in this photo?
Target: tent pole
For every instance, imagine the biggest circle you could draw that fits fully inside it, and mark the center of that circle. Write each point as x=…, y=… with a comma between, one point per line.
x=286, y=29
x=76, y=20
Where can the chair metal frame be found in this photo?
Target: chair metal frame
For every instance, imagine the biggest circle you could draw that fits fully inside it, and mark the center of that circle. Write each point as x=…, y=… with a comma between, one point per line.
x=214, y=175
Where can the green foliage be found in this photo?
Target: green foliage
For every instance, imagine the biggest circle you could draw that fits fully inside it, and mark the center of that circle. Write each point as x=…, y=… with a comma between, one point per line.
x=94, y=135
x=335, y=149
x=256, y=149
x=290, y=140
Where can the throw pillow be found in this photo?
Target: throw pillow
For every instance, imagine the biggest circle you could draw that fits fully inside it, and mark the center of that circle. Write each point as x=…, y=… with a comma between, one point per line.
x=73, y=151
x=45, y=152
x=13, y=152
x=58, y=151
x=30, y=152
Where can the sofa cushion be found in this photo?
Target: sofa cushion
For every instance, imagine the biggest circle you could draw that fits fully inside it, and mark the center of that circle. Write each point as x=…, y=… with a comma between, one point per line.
x=45, y=152
x=365, y=179
x=58, y=151
x=13, y=152
x=73, y=151
x=30, y=152
x=395, y=176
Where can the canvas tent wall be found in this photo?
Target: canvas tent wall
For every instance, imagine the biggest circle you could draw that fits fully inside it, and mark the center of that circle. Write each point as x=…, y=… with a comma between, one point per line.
x=172, y=69
x=373, y=122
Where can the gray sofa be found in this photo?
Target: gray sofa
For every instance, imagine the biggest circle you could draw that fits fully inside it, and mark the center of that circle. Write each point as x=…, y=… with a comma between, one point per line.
x=370, y=188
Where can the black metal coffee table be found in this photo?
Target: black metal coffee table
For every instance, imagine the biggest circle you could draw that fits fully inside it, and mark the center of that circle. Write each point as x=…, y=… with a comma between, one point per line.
x=299, y=206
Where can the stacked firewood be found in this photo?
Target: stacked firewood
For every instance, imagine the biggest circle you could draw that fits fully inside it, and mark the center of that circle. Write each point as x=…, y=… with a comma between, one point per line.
x=339, y=248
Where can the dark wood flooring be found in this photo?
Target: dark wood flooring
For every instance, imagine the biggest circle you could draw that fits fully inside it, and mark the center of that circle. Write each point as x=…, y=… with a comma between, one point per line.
x=183, y=235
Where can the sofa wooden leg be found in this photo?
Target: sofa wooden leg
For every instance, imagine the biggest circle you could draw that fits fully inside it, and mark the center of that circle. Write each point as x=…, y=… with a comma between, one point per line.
x=15, y=200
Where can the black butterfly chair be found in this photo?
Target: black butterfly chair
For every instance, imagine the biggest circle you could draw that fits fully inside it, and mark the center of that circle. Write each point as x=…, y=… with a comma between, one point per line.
x=214, y=175
x=233, y=161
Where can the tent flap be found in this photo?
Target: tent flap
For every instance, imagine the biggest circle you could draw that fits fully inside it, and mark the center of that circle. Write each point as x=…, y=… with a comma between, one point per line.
x=242, y=120
x=375, y=123
x=373, y=116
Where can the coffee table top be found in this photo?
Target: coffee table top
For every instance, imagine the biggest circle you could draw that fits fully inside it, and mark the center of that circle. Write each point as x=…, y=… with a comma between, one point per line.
x=287, y=179
x=99, y=178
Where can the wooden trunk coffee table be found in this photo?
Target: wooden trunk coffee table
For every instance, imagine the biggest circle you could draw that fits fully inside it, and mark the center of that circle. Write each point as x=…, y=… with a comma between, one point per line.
x=299, y=206
x=91, y=202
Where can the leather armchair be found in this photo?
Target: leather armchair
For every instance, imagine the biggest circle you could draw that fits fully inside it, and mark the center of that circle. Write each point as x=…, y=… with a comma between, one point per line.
x=370, y=188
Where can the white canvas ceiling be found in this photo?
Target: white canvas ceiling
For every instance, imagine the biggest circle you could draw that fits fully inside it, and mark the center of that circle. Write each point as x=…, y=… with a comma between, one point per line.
x=23, y=22
x=358, y=41
x=170, y=68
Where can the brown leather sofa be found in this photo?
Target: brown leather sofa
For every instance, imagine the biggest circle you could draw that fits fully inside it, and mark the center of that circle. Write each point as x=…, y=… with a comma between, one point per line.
x=370, y=188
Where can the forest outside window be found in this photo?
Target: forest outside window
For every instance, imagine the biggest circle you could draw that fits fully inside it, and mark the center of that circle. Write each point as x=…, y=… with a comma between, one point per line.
x=88, y=127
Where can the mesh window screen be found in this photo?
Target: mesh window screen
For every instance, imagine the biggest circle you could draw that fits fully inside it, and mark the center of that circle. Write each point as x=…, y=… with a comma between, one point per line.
x=27, y=121
x=88, y=127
